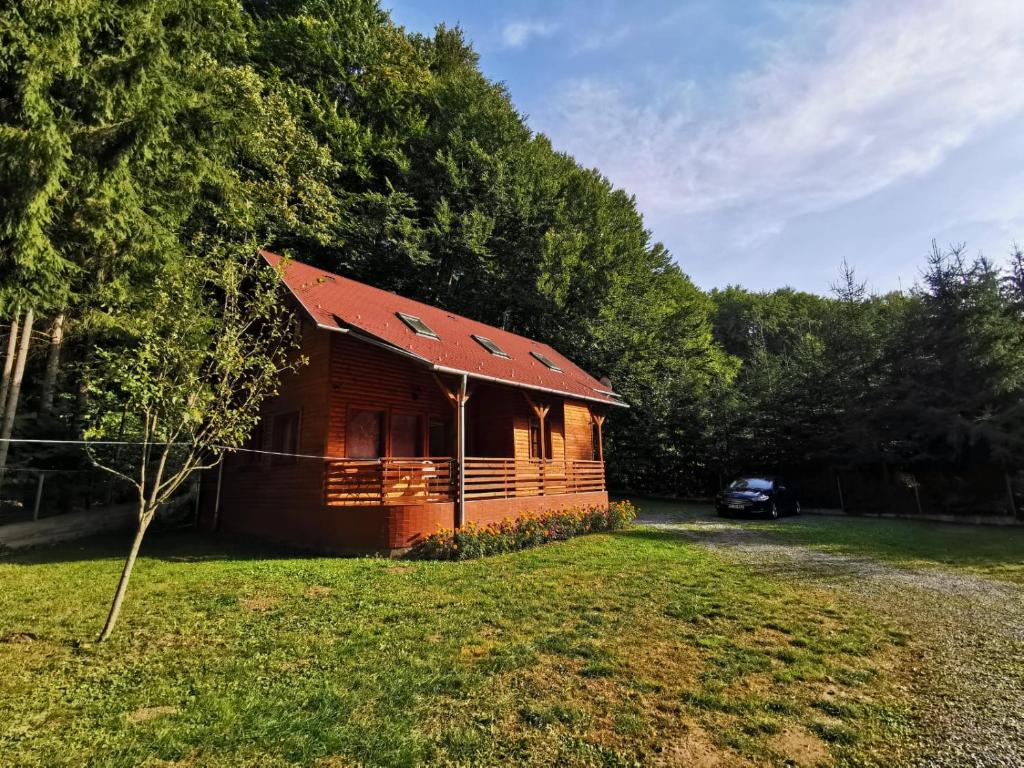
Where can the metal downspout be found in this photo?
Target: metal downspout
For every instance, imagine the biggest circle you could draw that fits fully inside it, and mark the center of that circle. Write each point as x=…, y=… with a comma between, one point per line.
x=460, y=499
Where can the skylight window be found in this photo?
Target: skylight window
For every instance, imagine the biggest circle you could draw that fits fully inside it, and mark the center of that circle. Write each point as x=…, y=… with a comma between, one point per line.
x=490, y=346
x=417, y=326
x=546, y=361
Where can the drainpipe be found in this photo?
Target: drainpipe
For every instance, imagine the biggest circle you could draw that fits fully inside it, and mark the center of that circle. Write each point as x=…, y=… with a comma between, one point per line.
x=215, y=523
x=460, y=451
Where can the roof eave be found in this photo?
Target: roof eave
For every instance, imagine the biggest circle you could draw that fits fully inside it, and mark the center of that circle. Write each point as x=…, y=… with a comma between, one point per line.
x=525, y=385
x=298, y=299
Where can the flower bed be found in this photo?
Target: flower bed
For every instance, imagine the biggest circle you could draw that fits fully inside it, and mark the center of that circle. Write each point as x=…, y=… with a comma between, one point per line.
x=510, y=535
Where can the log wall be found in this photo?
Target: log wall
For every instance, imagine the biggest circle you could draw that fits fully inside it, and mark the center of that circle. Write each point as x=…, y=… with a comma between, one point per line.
x=260, y=495
x=284, y=501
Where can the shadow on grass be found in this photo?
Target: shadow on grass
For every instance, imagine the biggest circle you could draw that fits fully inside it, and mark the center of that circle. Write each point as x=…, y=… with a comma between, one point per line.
x=173, y=546
x=189, y=546
x=731, y=533
x=642, y=532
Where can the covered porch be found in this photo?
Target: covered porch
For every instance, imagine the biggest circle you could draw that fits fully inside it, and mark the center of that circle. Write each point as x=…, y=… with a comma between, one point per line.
x=505, y=443
x=407, y=481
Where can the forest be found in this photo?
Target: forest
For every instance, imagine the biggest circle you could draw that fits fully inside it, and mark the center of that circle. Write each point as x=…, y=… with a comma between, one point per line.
x=142, y=143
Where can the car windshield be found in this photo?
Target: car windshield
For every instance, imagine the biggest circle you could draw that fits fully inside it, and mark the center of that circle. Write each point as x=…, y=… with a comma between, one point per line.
x=750, y=484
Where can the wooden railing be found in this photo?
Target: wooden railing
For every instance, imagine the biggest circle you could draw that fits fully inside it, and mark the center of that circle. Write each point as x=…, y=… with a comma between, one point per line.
x=512, y=478
x=372, y=482
x=393, y=482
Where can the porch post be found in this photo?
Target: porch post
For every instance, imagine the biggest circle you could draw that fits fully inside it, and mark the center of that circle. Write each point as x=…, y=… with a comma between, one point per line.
x=599, y=420
x=215, y=523
x=540, y=411
x=39, y=495
x=460, y=451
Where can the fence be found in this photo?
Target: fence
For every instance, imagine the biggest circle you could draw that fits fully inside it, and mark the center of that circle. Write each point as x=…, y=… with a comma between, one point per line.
x=988, y=492
x=354, y=482
x=30, y=494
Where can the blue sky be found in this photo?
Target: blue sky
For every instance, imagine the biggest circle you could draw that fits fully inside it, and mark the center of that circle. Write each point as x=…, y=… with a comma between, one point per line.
x=767, y=140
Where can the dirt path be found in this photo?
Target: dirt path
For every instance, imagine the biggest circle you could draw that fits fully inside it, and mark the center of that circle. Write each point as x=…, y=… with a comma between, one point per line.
x=969, y=686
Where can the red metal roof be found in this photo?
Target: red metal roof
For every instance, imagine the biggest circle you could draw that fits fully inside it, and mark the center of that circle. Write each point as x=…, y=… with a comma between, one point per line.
x=340, y=304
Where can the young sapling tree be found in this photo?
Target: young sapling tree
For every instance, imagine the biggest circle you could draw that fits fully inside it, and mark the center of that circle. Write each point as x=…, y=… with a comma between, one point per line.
x=199, y=353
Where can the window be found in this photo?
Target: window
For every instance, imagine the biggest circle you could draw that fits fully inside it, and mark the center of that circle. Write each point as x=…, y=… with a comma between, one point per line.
x=438, y=442
x=751, y=484
x=490, y=346
x=252, y=445
x=418, y=326
x=534, y=438
x=406, y=435
x=285, y=437
x=546, y=361
x=365, y=438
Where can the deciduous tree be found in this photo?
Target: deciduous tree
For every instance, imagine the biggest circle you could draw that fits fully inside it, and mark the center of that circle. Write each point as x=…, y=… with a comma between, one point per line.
x=203, y=347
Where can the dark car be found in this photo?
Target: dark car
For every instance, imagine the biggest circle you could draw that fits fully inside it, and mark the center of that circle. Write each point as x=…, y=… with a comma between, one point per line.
x=757, y=495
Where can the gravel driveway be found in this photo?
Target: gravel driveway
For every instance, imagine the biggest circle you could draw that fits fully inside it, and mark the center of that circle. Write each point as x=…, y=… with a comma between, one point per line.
x=969, y=685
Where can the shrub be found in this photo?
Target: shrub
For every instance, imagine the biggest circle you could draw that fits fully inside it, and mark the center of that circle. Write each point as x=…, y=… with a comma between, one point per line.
x=473, y=540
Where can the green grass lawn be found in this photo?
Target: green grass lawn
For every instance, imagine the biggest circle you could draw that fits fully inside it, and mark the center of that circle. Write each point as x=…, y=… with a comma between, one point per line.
x=611, y=649
x=993, y=551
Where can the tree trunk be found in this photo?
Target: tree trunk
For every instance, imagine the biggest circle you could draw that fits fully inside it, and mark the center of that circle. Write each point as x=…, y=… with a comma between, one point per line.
x=147, y=511
x=126, y=574
x=52, y=365
x=12, y=348
x=82, y=400
x=11, y=408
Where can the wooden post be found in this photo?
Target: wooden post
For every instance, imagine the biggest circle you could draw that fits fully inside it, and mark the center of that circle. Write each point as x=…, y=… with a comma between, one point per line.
x=199, y=498
x=839, y=487
x=460, y=449
x=1009, y=493
x=39, y=495
x=543, y=453
x=458, y=401
x=540, y=411
x=215, y=523
x=11, y=406
x=599, y=421
x=917, y=495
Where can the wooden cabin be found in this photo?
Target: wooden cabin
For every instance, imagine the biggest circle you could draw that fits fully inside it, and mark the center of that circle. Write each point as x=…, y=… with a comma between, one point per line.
x=406, y=419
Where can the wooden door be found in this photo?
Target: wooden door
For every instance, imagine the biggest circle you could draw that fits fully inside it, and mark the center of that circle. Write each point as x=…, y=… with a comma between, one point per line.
x=365, y=438
x=406, y=435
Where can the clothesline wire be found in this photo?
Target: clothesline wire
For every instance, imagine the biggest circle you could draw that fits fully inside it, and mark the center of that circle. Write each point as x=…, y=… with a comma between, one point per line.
x=40, y=441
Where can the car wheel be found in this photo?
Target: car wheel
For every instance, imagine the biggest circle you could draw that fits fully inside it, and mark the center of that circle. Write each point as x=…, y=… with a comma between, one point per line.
x=774, y=512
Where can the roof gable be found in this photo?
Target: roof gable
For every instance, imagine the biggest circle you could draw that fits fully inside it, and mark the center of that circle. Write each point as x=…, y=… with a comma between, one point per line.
x=340, y=304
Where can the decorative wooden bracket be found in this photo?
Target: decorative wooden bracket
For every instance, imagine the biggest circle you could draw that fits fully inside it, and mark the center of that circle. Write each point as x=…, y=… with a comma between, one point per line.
x=452, y=395
x=540, y=410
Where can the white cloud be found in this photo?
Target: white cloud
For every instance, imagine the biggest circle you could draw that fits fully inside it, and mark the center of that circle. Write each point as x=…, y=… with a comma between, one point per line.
x=516, y=34
x=885, y=94
x=602, y=38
